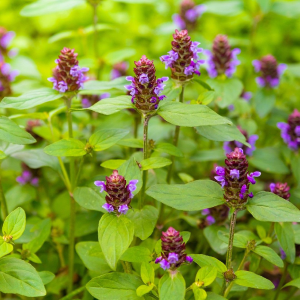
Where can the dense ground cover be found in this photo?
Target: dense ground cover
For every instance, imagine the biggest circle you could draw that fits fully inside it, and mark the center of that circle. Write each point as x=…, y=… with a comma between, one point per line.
x=149, y=149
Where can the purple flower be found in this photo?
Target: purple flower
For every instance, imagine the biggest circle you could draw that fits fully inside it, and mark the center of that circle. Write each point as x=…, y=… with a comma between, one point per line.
x=143, y=79
x=243, y=191
x=235, y=174
x=86, y=103
x=220, y=175
x=27, y=177
x=282, y=253
x=132, y=186
x=246, y=96
x=189, y=259
x=252, y=175
x=159, y=85
x=35, y=181
x=108, y=207
x=101, y=184
x=297, y=130
x=251, y=140
x=169, y=59
x=272, y=187
x=205, y=211
x=164, y=264
x=210, y=220
x=158, y=259
x=173, y=258
x=179, y=23
x=123, y=209
x=119, y=69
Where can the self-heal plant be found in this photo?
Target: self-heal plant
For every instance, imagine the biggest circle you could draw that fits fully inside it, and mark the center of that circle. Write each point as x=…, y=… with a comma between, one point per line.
x=6, y=77
x=173, y=250
x=290, y=131
x=189, y=14
x=222, y=59
x=280, y=189
x=119, y=193
x=269, y=71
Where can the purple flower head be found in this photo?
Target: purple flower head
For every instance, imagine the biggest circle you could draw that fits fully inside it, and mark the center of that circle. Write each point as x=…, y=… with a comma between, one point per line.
x=28, y=176
x=101, y=184
x=168, y=60
x=123, y=209
x=280, y=189
x=252, y=175
x=189, y=259
x=108, y=207
x=269, y=71
x=210, y=220
x=205, y=211
x=235, y=174
x=173, y=258
x=164, y=264
x=243, y=191
x=143, y=79
x=5, y=39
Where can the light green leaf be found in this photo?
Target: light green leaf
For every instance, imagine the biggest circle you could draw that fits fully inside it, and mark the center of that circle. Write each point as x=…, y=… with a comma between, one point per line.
x=285, y=235
x=192, y=196
x=224, y=8
x=206, y=275
x=154, y=163
x=5, y=248
x=172, y=287
x=2, y=155
x=66, y=147
x=30, y=99
x=144, y=289
x=241, y=238
x=119, y=55
x=213, y=296
x=132, y=143
x=137, y=254
x=269, y=254
x=105, y=138
x=199, y=294
x=290, y=9
x=10, y=132
x=190, y=115
x=144, y=220
x=89, y=198
x=113, y=164
x=110, y=106
x=249, y=279
x=264, y=101
x=19, y=277
x=205, y=260
x=92, y=257
x=147, y=273
x=46, y=276
x=212, y=237
x=44, y=7
x=168, y=148
x=115, y=236
x=14, y=224
x=265, y=206
x=223, y=132
x=114, y=286
x=296, y=229
x=295, y=282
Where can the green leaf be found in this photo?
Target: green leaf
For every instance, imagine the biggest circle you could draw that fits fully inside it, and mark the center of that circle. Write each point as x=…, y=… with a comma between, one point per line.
x=290, y=9
x=66, y=147
x=5, y=248
x=295, y=282
x=172, y=287
x=105, y=138
x=144, y=220
x=265, y=206
x=241, y=238
x=154, y=163
x=144, y=289
x=213, y=296
x=132, y=143
x=19, y=277
x=206, y=275
x=212, y=237
x=205, y=260
x=295, y=164
x=92, y=257
x=46, y=276
x=285, y=235
x=296, y=229
x=269, y=254
x=115, y=236
x=44, y=7
x=89, y=198
x=269, y=160
x=189, y=115
x=249, y=279
x=224, y=8
x=30, y=99
x=113, y=164
x=206, y=97
x=264, y=101
x=223, y=132
x=2, y=155
x=119, y=55
x=261, y=231
x=147, y=273
x=168, y=148
x=114, y=286
x=137, y=254
x=199, y=293
x=10, y=132
x=227, y=91
x=192, y=196
x=14, y=224
x=110, y=106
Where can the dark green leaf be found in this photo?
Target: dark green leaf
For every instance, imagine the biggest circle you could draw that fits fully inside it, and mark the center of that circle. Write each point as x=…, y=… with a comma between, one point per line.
x=137, y=254
x=168, y=148
x=46, y=276
x=89, y=198
x=154, y=163
x=269, y=254
x=285, y=235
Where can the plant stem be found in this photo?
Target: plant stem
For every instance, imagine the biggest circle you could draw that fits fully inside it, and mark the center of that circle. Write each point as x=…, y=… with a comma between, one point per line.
x=145, y=152
x=74, y=293
x=230, y=242
x=175, y=142
x=72, y=201
x=3, y=201
x=282, y=280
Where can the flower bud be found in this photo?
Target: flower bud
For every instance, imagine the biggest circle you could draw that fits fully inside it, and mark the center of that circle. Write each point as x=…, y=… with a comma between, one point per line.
x=269, y=71
x=230, y=146
x=68, y=76
x=6, y=77
x=173, y=250
x=189, y=13
x=280, y=189
x=183, y=58
x=145, y=89
x=235, y=179
x=290, y=131
x=119, y=193
x=229, y=275
x=222, y=60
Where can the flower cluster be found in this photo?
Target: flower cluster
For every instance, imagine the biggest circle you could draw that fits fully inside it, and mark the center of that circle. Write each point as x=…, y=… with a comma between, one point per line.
x=119, y=194
x=119, y=69
x=280, y=189
x=183, y=59
x=29, y=176
x=270, y=71
x=290, y=131
x=145, y=89
x=230, y=146
x=222, y=60
x=217, y=214
x=189, y=13
x=5, y=39
x=235, y=178
x=89, y=100
x=68, y=76
x=173, y=250
x=6, y=77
